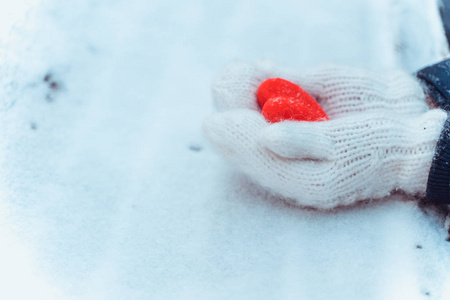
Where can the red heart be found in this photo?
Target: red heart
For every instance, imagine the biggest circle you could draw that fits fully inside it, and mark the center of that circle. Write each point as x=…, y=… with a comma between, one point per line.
x=283, y=100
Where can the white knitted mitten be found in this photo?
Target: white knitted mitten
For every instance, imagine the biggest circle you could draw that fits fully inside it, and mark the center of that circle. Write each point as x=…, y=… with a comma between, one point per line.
x=340, y=90
x=379, y=138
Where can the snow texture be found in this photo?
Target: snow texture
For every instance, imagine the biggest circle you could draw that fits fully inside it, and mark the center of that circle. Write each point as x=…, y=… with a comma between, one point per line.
x=109, y=191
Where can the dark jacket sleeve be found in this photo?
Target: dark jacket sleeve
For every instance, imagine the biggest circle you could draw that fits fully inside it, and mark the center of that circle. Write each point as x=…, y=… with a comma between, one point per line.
x=436, y=82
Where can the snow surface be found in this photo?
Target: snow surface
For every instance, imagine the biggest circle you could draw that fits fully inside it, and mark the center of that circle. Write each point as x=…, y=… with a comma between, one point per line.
x=109, y=191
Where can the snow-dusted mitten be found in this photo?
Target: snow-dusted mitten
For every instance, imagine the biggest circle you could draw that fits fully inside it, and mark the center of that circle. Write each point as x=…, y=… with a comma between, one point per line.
x=381, y=136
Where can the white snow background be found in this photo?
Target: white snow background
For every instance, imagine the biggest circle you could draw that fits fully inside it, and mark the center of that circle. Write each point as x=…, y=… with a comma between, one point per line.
x=109, y=191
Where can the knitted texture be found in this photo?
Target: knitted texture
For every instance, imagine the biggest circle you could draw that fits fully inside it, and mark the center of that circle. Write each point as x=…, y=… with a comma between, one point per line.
x=381, y=136
x=340, y=90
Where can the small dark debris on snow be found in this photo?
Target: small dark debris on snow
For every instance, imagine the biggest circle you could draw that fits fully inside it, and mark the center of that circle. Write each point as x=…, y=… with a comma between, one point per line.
x=33, y=125
x=47, y=77
x=195, y=148
x=54, y=85
x=427, y=293
x=419, y=246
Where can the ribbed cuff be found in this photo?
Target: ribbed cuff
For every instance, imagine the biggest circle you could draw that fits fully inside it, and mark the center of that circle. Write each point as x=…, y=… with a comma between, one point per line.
x=438, y=186
x=436, y=79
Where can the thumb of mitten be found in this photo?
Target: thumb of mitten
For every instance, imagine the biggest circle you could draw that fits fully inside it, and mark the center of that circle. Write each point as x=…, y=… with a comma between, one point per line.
x=299, y=140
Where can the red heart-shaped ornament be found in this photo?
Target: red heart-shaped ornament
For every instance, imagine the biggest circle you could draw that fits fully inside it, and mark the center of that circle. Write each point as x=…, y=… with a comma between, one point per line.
x=283, y=100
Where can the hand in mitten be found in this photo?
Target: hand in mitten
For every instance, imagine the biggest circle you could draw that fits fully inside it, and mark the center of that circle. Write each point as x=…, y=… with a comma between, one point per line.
x=340, y=90
x=381, y=136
